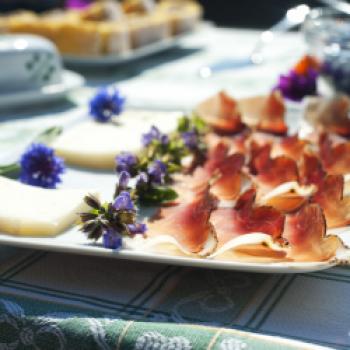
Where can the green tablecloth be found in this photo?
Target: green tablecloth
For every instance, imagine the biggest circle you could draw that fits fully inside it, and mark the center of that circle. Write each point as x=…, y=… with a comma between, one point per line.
x=63, y=301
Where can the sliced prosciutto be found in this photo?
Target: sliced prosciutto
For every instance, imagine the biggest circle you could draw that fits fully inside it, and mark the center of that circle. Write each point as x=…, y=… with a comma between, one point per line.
x=290, y=146
x=330, y=197
x=266, y=113
x=236, y=143
x=270, y=172
x=329, y=114
x=311, y=170
x=187, y=224
x=222, y=113
x=246, y=218
x=335, y=157
x=305, y=232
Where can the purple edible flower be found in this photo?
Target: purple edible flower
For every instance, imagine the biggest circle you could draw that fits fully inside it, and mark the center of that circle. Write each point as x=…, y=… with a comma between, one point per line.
x=157, y=171
x=107, y=103
x=137, y=228
x=154, y=134
x=190, y=139
x=41, y=167
x=111, y=239
x=295, y=86
x=142, y=179
x=124, y=179
x=77, y=4
x=123, y=202
x=126, y=162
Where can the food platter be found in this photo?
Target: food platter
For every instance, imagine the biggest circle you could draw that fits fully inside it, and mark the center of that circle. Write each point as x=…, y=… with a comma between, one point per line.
x=74, y=242
x=138, y=53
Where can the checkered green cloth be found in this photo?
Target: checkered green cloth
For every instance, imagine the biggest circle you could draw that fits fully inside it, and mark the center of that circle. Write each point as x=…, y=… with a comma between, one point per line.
x=64, y=301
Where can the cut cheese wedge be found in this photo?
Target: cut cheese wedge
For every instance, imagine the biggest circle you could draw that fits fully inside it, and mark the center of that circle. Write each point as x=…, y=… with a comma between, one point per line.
x=95, y=145
x=33, y=211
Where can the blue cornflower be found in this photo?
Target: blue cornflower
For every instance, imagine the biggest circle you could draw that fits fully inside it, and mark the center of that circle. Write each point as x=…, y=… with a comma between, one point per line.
x=157, y=171
x=124, y=179
x=126, y=162
x=154, y=134
x=111, y=239
x=190, y=139
x=40, y=166
x=107, y=103
x=295, y=86
x=137, y=228
x=123, y=202
x=142, y=179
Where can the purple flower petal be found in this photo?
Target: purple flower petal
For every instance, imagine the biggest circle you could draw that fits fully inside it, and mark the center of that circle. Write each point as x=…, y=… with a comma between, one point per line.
x=190, y=139
x=154, y=134
x=157, y=171
x=137, y=228
x=296, y=86
x=112, y=240
x=41, y=167
x=107, y=102
x=124, y=179
x=123, y=202
x=126, y=162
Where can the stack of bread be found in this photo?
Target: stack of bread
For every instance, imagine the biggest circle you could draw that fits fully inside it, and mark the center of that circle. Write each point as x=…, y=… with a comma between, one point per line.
x=107, y=26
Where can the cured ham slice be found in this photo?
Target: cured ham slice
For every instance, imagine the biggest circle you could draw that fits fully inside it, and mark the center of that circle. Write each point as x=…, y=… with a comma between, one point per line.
x=229, y=181
x=290, y=146
x=330, y=197
x=329, y=114
x=335, y=157
x=187, y=224
x=246, y=218
x=222, y=113
x=311, y=170
x=288, y=197
x=266, y=113
x=270, y=172
x=305, y=232
x=236, y=143
x=251, y=247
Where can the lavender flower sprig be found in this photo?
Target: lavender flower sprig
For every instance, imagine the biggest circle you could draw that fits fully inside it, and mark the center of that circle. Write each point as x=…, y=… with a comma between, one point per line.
x=115, y=220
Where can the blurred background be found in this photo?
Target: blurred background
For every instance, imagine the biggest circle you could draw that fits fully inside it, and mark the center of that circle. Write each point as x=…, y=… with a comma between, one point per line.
x=236, y=13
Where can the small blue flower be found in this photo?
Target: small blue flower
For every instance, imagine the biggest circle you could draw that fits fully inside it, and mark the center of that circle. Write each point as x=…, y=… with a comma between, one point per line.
x=157, y=171
x=123, y=202
x=40, y=166
x=190, y=139
x=154, y=134
x=124, y=179
x=111, y=239
x=126, y=162
x=107, y=102
x=296, y=86
x=137, y=228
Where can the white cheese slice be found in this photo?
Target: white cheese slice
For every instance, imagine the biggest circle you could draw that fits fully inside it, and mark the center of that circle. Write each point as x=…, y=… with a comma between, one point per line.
x=33, y=211
x=95, y=145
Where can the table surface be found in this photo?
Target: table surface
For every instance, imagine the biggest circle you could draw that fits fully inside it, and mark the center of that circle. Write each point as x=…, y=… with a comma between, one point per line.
x=62, y=301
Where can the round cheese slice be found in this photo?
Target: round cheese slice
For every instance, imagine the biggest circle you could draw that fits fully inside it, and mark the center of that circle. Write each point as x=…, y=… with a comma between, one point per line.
x=95, y=145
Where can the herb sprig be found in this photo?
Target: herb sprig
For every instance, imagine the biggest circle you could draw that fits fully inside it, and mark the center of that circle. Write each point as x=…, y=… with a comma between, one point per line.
x=162, y=156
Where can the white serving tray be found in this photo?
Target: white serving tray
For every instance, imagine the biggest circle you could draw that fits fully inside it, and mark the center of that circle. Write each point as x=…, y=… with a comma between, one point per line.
x=73, y=241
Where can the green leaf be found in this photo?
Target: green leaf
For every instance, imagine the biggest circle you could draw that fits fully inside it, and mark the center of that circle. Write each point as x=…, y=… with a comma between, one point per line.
x=48, y=135
x=157, y=195
x=11, y=170
x=183, y=124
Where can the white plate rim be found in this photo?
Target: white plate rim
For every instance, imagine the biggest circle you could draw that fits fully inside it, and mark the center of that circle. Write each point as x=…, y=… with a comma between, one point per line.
x=90, y=249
